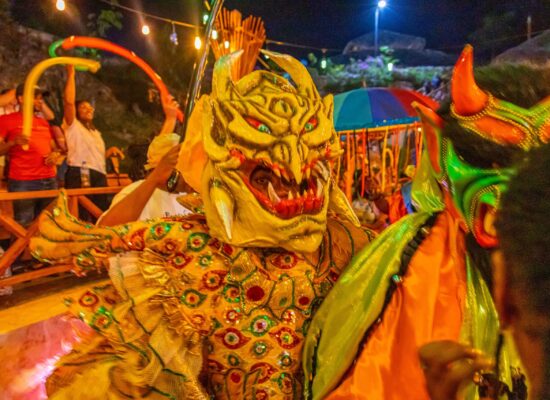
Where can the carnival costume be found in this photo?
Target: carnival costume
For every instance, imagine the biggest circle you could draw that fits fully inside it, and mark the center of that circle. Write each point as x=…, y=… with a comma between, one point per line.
x=419, y=281
x=216, y=305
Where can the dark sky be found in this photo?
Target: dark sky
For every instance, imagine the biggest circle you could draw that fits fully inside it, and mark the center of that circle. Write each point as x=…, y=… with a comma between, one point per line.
x=323, y=23
x=445, y=24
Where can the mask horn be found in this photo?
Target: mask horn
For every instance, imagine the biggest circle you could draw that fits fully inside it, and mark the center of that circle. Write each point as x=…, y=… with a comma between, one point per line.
x=297, y=71
x=468, y=98
x=221, y=79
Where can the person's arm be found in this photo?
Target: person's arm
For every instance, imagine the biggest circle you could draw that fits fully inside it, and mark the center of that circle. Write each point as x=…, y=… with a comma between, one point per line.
x=59, y=137
x=47, y=112
x=7, y=97
x=170, y=107
x=70, y=96
x=52, y=158
x=129, y=209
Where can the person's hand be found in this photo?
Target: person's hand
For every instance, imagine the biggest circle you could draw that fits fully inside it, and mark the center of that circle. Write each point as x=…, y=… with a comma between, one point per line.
x=166, y=165
x=19, y=140
x=114, y=152
x=51, y=159
x=449, y=366
x=170, y=107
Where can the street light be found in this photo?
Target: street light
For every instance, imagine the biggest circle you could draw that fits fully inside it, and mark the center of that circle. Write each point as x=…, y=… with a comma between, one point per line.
x=381, y=4
x=60, y=5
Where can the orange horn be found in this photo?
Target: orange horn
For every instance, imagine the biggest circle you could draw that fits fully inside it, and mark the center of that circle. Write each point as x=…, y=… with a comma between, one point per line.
x=468, y=98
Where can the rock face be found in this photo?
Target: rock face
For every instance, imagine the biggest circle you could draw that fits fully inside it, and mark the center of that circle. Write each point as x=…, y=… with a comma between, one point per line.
x=22, y=48
x=390, y=39
x=409, y=50
x=535, y=51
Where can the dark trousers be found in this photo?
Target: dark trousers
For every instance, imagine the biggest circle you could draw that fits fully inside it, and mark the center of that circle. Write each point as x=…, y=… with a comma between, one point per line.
x=25, y=211
x=97, y=179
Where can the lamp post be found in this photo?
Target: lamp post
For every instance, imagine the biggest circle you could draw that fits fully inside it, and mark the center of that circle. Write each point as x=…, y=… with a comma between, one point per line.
x=381, y=4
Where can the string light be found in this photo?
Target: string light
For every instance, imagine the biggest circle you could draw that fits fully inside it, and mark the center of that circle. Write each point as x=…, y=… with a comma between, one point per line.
x=174, y=35
x=390, y=66
x=214, y=34
x=60, y=5
x=198, y=42
x=205, y=17
x=226, y=44
x=145, y=29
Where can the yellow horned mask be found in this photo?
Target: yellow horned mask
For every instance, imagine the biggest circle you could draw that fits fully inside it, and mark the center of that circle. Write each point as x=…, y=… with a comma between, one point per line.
x=267, y=152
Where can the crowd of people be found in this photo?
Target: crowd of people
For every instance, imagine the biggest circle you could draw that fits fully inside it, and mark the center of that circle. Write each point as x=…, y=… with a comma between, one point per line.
x=69, y=151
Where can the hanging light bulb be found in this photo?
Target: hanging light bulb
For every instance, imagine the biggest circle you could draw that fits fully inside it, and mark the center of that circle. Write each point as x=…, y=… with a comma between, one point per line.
x=323, y=63
x=174, y=35
x=198, y=42
x=145, y=29
x=214, y=34
x=226, y=44
x=204, y=19
x=60, y=5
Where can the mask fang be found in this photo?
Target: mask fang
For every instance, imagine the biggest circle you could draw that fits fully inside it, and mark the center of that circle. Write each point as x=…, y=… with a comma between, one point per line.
x=224, y=206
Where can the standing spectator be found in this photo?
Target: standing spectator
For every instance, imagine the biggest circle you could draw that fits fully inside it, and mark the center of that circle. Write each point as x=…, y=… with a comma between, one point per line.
x=32, y=169
x=85, y=145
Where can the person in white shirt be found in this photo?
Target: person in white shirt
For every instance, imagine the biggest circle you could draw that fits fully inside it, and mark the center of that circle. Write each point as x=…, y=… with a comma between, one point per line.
x=148, y=198
x=85, y=146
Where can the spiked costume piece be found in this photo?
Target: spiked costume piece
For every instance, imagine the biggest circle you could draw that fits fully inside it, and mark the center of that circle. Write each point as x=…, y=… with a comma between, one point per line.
x=418, y=281
x=217, y=305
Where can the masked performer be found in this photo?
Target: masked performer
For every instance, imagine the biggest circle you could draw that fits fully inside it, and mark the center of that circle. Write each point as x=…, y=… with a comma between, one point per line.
x=218, y=305
x=427, y=277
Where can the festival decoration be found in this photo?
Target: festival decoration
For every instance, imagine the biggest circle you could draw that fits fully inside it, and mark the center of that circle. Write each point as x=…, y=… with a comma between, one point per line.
x=247, y=35
x=32, y=80
x=424, y=265
x=102, y=44
x=233, y=292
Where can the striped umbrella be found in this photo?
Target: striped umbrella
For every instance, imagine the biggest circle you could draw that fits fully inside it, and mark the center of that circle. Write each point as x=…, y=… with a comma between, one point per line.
x=376, y=107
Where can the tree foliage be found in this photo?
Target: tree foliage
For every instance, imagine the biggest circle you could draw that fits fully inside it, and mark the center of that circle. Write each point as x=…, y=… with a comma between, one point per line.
x=495, y=33
x=381, y=71
x=101, y=23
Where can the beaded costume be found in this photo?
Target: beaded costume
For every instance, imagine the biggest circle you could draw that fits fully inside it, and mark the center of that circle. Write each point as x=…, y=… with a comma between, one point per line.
x=419, y=281
x=216, y=305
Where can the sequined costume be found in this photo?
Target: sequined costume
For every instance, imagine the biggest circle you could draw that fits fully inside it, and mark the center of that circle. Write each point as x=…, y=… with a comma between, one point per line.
x=217, y=305
x=423, y=279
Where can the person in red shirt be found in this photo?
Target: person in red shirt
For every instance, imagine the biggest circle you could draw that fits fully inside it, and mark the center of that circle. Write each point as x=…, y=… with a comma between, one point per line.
x=32, y=169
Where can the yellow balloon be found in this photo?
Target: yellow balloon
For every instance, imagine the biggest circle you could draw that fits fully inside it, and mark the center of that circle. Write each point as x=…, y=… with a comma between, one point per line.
x=34, y=76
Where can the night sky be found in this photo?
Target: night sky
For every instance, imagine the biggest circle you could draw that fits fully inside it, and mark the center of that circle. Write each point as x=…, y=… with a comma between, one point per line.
x=445, y=24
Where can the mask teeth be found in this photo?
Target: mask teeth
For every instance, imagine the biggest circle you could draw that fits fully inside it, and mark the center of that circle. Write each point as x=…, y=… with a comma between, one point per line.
x=321, y=168
x=319, y=188
x=275, y=199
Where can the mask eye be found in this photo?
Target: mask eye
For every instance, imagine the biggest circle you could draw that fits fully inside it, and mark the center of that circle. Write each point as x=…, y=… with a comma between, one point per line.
x=253, y=122
x=311, y=124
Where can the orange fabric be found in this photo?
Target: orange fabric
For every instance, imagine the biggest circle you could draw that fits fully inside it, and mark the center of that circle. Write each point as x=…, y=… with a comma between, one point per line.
x=428, y=306
x=397, y=207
